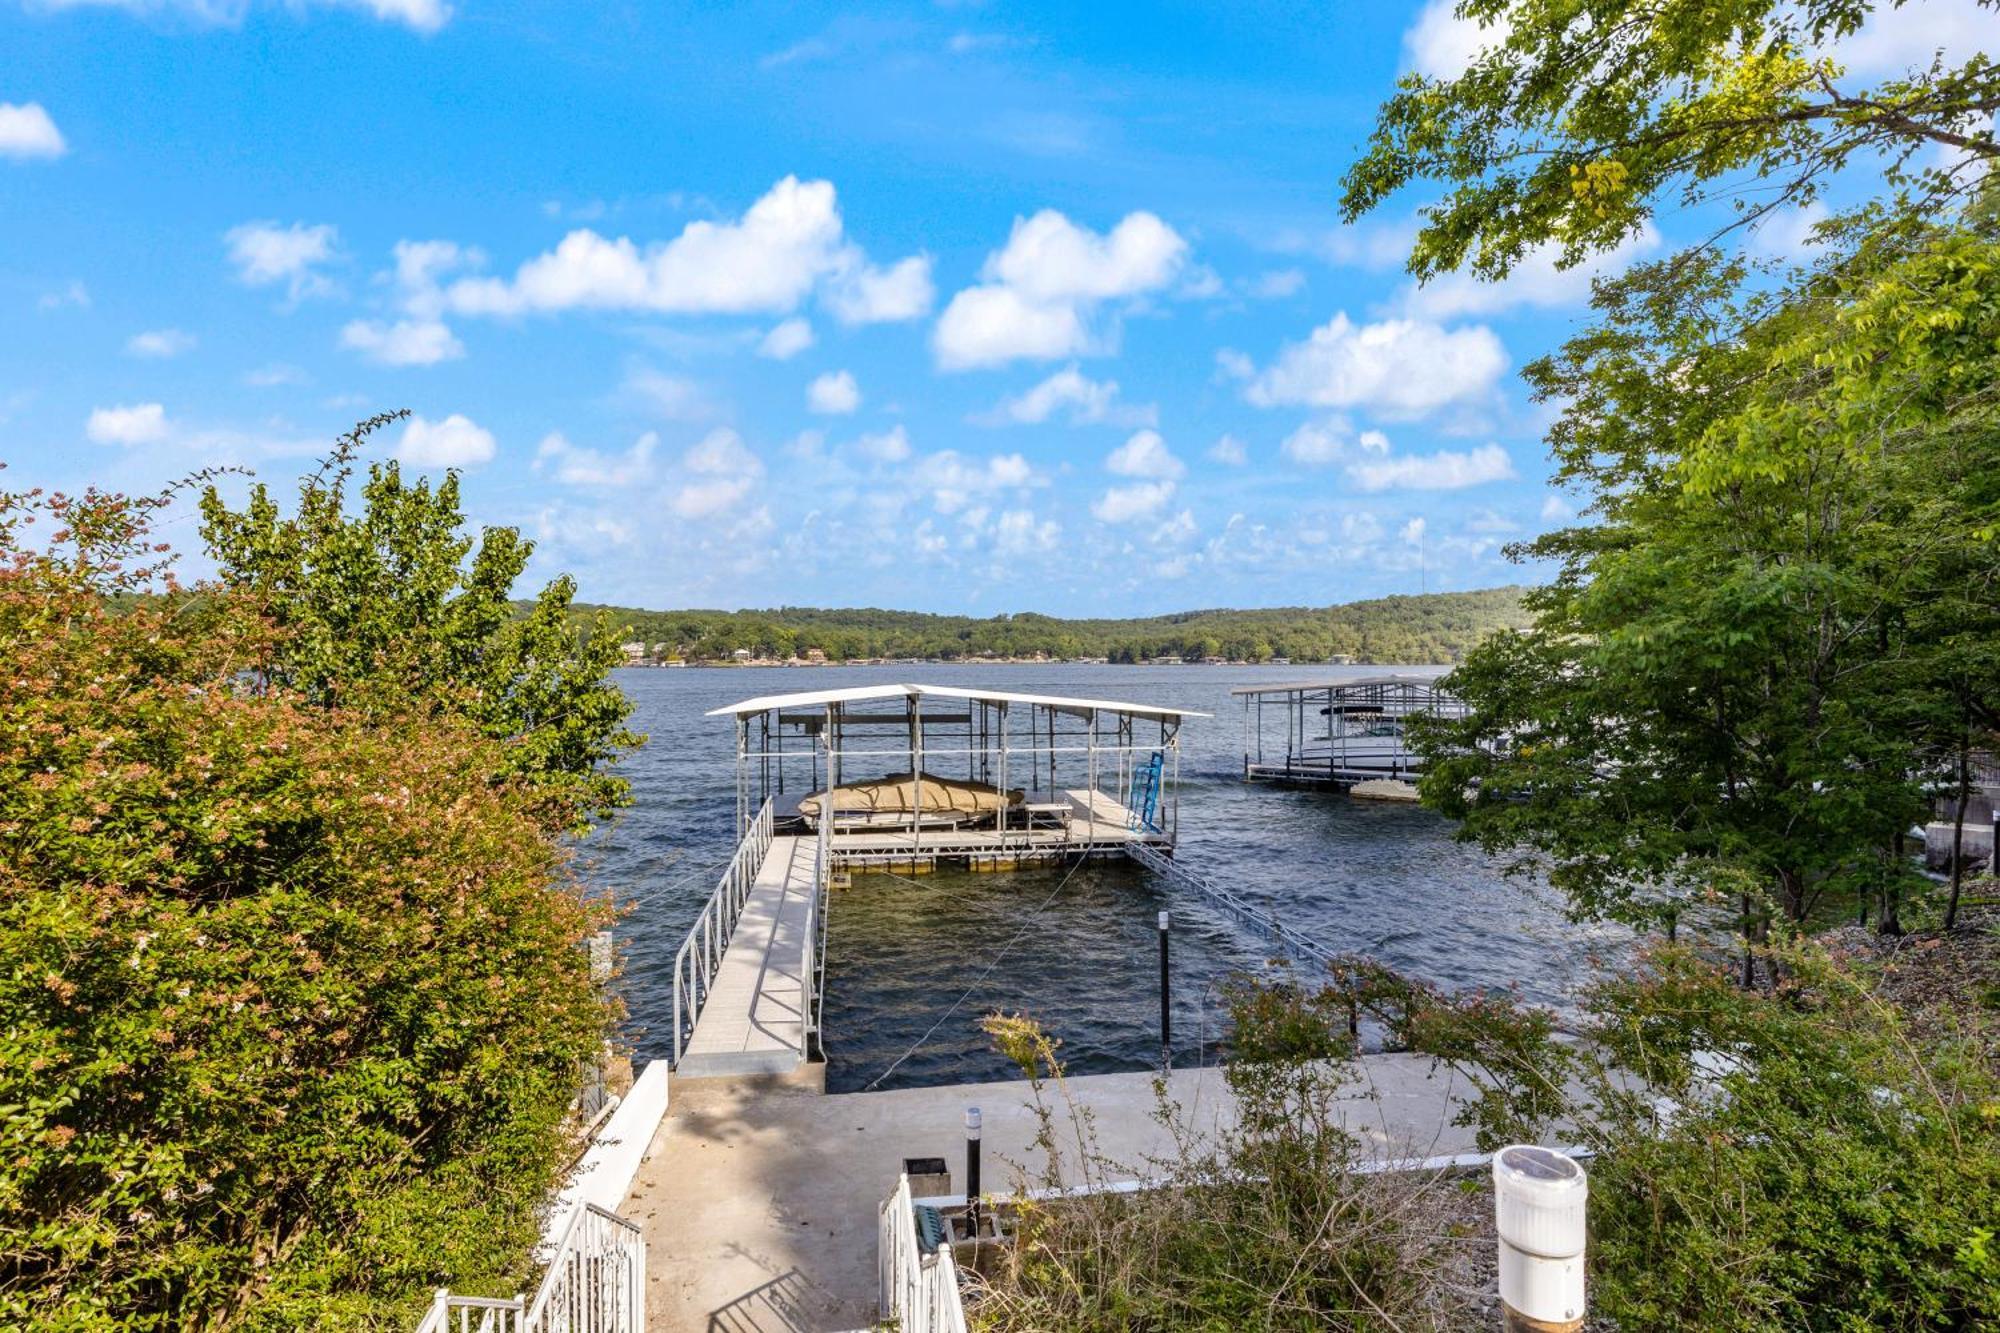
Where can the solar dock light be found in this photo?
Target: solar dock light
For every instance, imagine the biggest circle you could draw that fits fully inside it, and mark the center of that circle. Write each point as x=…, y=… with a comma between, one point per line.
x=1538, y=1202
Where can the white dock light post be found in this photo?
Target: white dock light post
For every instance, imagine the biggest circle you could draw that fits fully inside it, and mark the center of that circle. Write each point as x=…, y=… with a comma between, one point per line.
x=972, y=1169
x=1538, y=1202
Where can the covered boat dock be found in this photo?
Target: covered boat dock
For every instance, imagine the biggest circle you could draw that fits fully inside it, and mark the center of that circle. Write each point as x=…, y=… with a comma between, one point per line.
x=897, y=778
x=1337, y=733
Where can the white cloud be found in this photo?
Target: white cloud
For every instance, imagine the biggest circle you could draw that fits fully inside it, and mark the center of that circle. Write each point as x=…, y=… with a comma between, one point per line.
x=276, y=374
x=1413, y=531
x=889, y=446
x=451, y=443
x=833, y=394
x=1178, y=530
x=1555, y=509
x=670, y=397
x=786, y=339
x=1316, y=443
x=140, y=423
x=1396, y=368
x=1229, y=451
x=1039, y=289
x=1364, y=245
x=864, y=294
x=425, y=16
x=769, y=260
x=1534, y=281
x=420, y=265
x=1145, y=455
x=265, y=253
x=1446, y=470
x=1374, y=441
x=1896, y=40
x=406, y=342
x=990, y=326
x=1086, y=401
x=721, y=472
x=1441, y=45
x=1785, y=233
x=953, y=481
x=574, y=465
x=1122, y=504
x=1050, y=258
x=1276, y=284
x=1018, y=532
x=27, y=131
x=160, y=344
x=73, y=294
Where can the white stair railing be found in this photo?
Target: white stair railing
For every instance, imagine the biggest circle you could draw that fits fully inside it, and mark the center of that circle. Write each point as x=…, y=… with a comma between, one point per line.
x=700, y=956
x=919, y=1291
x=596, y=1283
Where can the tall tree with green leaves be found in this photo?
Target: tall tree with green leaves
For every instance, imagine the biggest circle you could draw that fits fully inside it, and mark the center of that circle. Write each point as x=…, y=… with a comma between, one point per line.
x=1777, y=620
x=1580, y=119
x=391, y=602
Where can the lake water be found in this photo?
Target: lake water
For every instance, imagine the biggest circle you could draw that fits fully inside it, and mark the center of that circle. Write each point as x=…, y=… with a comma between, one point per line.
x=1387, y=881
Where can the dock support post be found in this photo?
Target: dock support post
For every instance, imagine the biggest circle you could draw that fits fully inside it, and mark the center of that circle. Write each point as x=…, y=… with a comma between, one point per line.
x=972, y=1170
x=1166, y=1006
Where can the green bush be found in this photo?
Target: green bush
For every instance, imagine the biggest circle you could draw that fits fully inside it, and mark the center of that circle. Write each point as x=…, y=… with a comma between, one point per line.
x=291, y=1003
x=1797, y=1160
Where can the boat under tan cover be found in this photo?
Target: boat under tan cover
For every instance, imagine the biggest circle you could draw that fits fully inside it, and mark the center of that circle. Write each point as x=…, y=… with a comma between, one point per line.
x=945, y=800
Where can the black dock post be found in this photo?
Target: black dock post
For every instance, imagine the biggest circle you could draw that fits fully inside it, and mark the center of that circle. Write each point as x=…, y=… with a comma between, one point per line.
x=972, y=1171
x=1166, y=1011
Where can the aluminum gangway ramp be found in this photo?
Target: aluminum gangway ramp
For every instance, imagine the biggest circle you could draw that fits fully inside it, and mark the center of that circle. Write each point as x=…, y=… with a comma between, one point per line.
x=754, y=1002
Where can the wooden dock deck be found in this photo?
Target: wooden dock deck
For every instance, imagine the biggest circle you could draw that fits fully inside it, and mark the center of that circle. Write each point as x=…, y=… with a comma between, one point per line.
x=752, y=1020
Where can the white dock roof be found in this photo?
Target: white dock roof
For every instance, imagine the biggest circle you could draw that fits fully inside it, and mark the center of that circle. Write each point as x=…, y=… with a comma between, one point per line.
x=1322, y=686
x=863, y=693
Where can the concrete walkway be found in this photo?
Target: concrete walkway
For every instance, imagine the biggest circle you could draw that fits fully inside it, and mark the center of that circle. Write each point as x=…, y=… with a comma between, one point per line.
x=759, y=1196
x=751, y=1020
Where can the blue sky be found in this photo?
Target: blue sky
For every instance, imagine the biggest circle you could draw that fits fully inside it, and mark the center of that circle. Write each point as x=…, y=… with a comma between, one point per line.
x=955, y=307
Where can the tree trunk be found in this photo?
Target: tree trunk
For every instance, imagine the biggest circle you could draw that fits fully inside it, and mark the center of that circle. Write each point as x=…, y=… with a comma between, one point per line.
x=1749, y=959
x=1892, y=916
x=1958, y=838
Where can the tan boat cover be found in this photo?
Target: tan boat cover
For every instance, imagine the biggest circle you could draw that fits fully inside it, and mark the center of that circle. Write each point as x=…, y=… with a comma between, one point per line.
x=949, y=799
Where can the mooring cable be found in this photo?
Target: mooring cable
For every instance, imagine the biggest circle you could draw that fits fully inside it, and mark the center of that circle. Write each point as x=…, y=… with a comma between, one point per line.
x=1040, y=907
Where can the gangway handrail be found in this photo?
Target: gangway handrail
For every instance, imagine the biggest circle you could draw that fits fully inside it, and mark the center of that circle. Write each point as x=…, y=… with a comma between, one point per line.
x=918, y=1292
x=595, y=1283
x=700, y=955
x=812, y=948
x=1249, y=913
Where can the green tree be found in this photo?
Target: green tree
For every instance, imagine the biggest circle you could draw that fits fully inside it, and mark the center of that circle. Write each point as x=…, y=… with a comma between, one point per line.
x=396, y=603
x=293, y=994
x=1580, y=118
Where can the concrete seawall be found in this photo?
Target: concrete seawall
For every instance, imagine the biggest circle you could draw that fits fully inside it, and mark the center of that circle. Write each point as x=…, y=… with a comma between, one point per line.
x=759, y=1195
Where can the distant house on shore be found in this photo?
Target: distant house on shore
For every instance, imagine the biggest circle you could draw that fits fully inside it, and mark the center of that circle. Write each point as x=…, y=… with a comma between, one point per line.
x=634, y=652
x=740, y=655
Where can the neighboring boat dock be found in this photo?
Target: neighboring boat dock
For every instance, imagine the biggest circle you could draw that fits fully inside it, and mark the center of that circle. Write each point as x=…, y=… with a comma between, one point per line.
x=1337, y=733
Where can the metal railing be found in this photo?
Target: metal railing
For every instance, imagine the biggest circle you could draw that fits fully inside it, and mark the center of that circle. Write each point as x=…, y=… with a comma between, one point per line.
x=1248, y=913
x=700, y=954
x=596, y=1283
x=812, y=950
x=918, y=1290
x=471, y=1314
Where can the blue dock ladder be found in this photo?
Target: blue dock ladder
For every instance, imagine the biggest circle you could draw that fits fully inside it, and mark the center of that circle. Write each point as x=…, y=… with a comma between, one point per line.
x=1144, y=802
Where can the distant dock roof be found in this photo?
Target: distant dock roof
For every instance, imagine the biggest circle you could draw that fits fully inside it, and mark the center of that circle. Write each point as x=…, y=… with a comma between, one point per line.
x=865, y=693
x=1354, y=683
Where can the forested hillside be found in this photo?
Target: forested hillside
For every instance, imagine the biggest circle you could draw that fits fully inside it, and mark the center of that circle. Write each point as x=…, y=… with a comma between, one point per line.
x=1439, y=627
